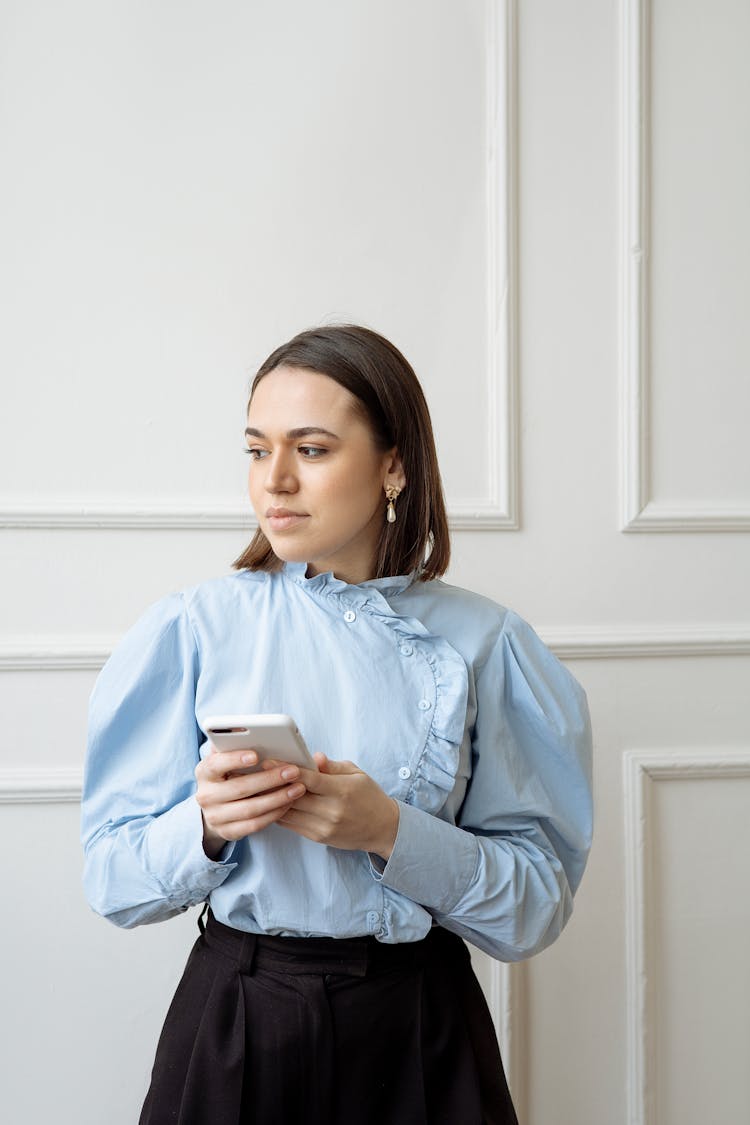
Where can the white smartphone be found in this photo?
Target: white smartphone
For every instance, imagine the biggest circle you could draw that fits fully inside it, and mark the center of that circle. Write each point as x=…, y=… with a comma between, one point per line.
x=271, y=736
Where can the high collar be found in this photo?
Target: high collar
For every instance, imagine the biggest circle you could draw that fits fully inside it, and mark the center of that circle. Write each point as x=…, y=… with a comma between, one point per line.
x=327, y=581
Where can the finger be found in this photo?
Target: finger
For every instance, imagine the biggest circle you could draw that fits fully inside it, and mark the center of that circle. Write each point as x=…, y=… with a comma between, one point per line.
x=317, y=781
x=237, y=787
x=327, y=765
x=307, y=803
x=221, y=762
x=254, y=808
x=311, y=827
x=237, y=830
x=294, y=817
x=341, y=767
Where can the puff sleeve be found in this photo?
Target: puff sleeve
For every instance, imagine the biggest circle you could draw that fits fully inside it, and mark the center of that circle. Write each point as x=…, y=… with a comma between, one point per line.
x=140, y=825
x=504, y=875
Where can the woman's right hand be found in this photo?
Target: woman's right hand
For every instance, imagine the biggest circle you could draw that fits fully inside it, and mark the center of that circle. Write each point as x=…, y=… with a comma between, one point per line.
x=236, y=805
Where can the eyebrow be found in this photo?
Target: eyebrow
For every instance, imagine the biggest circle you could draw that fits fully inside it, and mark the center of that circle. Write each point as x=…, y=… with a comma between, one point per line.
x=301, y=431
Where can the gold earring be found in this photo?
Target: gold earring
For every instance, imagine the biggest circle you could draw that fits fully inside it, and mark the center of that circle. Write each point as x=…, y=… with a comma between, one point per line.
x=392, y=493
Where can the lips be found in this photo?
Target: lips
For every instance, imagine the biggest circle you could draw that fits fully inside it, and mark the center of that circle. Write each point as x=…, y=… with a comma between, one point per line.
x=279, y=519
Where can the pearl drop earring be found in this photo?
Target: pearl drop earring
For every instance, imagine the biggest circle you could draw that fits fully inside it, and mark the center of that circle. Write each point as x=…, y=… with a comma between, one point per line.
x=392, y=493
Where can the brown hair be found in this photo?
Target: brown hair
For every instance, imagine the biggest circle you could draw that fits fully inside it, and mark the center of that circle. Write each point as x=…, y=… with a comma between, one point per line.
x=390, y=399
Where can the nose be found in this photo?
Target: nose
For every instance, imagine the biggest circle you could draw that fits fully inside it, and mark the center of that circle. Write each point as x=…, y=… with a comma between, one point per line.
x=279, y=473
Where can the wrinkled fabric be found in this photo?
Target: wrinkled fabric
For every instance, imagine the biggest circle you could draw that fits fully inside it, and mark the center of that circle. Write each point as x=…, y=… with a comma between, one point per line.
x=450, y=701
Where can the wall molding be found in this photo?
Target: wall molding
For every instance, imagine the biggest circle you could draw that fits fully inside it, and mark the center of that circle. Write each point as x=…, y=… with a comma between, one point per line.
x=607, y=642
x=663, y=517
x=633, y=297
x=641, y=770
x=499, y=509
x=638, y=511
x=88, y=653
x=508, y=1004
x=41, y=785
x=493, y=514
x=501, y=513
x=73, y=514
x=75, y=653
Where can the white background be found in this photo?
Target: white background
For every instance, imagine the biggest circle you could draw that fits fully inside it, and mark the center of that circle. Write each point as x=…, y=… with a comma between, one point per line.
x=544, y=206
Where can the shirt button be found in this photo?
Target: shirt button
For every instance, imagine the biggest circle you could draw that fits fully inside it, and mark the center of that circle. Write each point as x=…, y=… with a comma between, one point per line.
x=404, y=773
x=406, y=650
x=372, y=918
x=350, y=615
x=424, y=705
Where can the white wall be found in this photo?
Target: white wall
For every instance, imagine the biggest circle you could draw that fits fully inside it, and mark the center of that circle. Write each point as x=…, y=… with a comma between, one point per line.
x=543, y=205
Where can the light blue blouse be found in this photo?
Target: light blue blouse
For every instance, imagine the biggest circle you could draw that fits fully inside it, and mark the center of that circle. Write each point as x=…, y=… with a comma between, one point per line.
x=451, y=702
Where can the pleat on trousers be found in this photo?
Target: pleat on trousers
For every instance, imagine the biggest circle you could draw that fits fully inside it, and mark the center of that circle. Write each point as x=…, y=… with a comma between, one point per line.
x=323, y=1031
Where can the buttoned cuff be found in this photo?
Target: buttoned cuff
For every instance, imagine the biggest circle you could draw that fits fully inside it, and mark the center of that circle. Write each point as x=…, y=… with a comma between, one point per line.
x=433, y=863
x=175, y=845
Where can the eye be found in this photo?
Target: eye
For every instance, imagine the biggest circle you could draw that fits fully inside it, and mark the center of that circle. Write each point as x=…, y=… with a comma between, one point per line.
x=255, y=453
x=312, y=452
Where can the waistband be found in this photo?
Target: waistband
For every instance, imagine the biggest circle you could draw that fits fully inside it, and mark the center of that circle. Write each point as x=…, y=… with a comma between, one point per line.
x=357, y=957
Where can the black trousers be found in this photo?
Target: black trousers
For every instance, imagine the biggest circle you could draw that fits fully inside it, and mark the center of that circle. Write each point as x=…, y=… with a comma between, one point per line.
x=321, y=1031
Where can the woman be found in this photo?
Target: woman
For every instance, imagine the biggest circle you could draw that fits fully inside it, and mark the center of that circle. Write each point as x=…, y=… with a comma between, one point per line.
x=451, y=798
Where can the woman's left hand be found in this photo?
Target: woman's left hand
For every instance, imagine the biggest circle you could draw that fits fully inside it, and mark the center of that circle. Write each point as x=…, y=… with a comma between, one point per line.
x=343, y=808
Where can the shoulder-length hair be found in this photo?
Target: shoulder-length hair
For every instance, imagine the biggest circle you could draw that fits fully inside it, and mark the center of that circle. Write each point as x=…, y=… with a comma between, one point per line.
x=389, y=398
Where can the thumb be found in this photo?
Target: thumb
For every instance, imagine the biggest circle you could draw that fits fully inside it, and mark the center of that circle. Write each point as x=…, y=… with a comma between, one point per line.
x=325, y=765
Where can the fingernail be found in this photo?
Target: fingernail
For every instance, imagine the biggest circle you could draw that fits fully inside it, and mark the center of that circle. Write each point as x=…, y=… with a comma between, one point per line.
x=289, y=773
x=250, y=758
x=295, y=791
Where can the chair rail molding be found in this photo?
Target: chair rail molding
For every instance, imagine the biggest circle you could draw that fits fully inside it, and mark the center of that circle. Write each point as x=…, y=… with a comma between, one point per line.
x=89, y=652
x=615, y=642
x=41, y=785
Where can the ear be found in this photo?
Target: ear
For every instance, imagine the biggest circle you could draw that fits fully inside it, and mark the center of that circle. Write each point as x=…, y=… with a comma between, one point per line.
x=394, y=471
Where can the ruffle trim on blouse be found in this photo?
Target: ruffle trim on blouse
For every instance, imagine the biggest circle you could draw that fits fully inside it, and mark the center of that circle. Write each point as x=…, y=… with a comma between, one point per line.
x=435, y=769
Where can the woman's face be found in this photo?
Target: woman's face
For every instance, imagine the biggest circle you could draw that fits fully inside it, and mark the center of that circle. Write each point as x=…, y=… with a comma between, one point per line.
x=317, y=480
